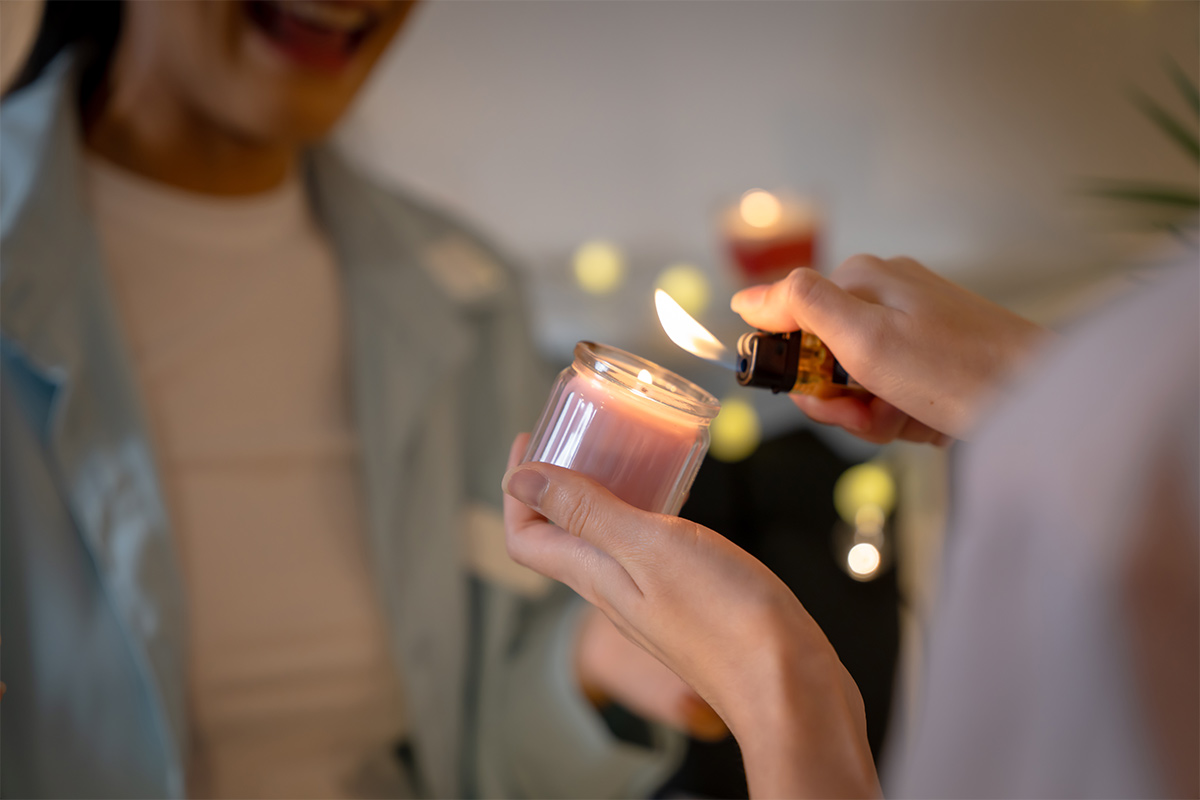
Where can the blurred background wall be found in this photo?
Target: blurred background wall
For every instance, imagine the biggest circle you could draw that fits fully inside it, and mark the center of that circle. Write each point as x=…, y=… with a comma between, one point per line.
x=958, y=133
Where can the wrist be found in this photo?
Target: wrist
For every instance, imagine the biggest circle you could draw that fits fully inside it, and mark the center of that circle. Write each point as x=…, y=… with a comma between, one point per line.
x=801, y=725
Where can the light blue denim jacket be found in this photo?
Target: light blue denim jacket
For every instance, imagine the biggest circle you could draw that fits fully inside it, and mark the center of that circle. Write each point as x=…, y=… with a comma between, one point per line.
x=92, y=608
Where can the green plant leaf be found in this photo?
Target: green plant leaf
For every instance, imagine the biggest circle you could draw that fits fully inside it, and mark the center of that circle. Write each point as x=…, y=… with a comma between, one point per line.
x=1184, y=135
x=1149, y=193
x=1185, y=86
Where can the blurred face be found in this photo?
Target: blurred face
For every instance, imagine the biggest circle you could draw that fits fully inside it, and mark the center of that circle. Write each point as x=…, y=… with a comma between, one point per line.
x=271, y=71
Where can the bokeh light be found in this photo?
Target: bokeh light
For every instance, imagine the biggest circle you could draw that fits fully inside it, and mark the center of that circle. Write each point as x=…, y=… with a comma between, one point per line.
x=736, y=431
x=864, y=560
x=599, y=267
x=760, y=208
x=862, y=485
x=869, y=518
x=688, y=285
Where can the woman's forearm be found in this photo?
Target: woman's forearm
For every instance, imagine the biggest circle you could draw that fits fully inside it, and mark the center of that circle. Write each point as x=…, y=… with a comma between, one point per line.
x=801, y=726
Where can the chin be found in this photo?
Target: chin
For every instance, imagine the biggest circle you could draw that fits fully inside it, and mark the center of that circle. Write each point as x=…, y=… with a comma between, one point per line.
x=303, y=121
x=306, y=60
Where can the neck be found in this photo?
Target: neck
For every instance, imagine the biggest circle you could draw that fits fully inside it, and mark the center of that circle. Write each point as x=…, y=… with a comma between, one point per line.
x=135, y=121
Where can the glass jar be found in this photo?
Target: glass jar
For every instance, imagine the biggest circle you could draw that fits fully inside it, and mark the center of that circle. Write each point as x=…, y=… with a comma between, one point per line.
x=640, y=430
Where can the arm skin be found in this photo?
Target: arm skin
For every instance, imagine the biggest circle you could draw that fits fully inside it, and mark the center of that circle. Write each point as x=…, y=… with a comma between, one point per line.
x=714, y=615
x=932, y=353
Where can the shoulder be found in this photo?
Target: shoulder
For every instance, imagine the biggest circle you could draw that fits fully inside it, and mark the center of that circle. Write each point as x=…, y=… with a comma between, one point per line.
x=462, y=259
x=465, y=263
x=1078, y=431
x=1097, y=379
x=1052, y=501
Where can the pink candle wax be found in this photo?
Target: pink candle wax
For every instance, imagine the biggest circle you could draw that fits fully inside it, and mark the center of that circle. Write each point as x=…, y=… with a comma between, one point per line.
x=636, y=428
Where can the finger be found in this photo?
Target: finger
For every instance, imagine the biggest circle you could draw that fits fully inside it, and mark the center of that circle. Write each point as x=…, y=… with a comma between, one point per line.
x=876, y=425
x=543, y=546
x=804, y=300
x=916, y=431
x=533, y=541
x=519, y=515
x=872, y=420
x=848, y=411
x=537, y=543
x=517, y=451
x=887, y=421
x=549, y=550
x=584, y=508
x=515, y=512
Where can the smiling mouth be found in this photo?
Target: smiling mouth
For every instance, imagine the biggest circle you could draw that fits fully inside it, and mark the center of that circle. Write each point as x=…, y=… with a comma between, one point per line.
x=319, y=34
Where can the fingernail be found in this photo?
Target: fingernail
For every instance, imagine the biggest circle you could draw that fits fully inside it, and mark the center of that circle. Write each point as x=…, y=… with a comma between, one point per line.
x=748, y=299
x=527, y=485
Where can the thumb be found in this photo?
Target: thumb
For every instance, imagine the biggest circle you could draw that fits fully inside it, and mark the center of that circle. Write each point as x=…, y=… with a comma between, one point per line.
x=598, y=535
x=582, y=507
x=804, y=300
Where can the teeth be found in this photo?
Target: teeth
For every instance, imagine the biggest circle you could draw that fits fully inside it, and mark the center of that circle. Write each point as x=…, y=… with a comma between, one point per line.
x=341, y=17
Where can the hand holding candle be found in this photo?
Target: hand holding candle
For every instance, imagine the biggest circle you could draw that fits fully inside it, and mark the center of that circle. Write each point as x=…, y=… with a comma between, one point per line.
x=713, y=614
x=642, y=432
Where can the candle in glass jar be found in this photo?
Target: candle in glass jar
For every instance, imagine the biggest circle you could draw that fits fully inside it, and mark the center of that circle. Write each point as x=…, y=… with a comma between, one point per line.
x=636, y=428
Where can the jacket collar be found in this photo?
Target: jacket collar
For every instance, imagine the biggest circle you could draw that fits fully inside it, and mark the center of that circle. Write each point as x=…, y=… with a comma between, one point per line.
x=44, y=230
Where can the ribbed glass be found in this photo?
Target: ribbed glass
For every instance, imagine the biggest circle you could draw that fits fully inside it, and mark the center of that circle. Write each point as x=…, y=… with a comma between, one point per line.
x=638, y=429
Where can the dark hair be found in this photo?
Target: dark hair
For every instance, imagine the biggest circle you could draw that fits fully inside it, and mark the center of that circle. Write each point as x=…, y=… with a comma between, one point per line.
x=92, y=26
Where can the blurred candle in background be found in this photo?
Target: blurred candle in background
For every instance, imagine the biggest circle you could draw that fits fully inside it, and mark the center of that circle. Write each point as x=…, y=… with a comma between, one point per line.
x=638, y=429
x=768, y=235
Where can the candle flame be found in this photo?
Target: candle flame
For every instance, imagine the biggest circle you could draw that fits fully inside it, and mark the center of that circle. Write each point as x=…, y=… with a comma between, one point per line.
x=686, y=332
x=645, y=377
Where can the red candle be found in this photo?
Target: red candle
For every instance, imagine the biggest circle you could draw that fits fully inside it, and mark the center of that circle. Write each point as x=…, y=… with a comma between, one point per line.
x=768, y=235
x=638, y=429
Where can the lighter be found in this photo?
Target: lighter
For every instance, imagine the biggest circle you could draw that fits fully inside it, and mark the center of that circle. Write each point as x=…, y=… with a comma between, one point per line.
x=796, y=362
